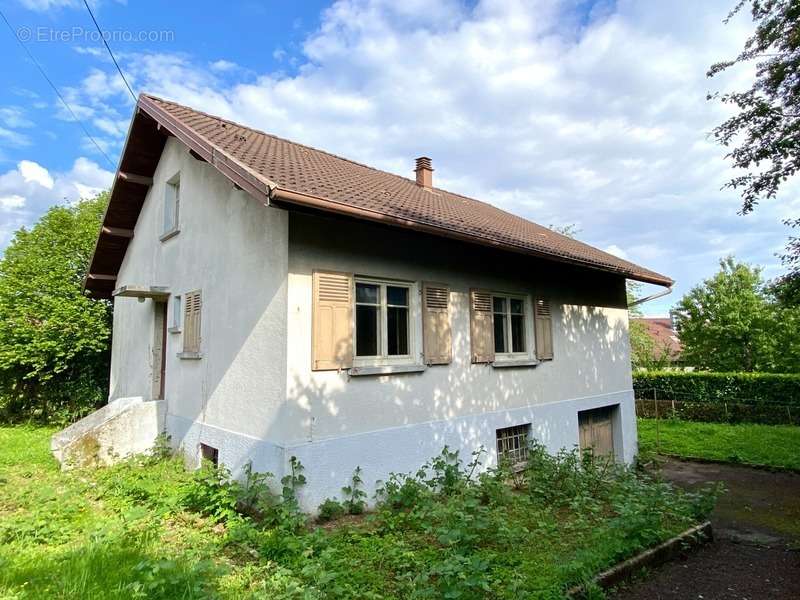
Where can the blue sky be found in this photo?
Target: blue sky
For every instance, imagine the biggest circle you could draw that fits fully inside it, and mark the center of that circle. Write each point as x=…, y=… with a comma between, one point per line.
x=563, y=111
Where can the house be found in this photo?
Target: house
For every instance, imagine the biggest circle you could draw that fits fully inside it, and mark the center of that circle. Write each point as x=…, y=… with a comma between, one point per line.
x=273, y=300
x=666, y=343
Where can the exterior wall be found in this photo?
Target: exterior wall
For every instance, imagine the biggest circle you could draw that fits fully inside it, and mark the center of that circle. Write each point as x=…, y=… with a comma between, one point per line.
x=253, y=395
x=234, y=250
x=334, y=422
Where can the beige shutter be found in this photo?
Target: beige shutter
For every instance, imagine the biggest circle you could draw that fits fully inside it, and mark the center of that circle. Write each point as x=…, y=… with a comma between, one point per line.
x=544, y=329
x=332, y=321
x=481, y=330
x=436, y=323
x=192, y=304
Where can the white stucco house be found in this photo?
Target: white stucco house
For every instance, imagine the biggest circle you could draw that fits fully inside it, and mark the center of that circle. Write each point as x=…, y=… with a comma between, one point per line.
x=272, y=300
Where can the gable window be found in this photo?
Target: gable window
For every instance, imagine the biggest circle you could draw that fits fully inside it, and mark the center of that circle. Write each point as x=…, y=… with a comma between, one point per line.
x=172, y=204
x=382, y=321
x=508, y=315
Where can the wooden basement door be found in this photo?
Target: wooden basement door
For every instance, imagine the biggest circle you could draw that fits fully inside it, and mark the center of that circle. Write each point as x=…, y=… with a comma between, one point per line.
x=597, y=430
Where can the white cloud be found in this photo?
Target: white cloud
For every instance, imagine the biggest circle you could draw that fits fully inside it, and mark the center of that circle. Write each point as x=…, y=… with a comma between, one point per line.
x=222, y=65
x=35, y=173
x=14, y=138
x=11, y=202
x=29, y=189
x=616, y=251
x=46, y=5
x=14, y=117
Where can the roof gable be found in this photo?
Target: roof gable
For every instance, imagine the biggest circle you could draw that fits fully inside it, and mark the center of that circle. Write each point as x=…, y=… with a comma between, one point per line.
x=281, y=172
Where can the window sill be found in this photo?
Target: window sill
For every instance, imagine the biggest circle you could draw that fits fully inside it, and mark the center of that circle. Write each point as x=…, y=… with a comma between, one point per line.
x=508, y=364
x=386, y=370
x=174, y=330
x=169, y=234
x=190, y=355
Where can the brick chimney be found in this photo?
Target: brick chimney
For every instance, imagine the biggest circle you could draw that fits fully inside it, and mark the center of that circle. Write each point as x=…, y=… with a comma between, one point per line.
x=424, y=172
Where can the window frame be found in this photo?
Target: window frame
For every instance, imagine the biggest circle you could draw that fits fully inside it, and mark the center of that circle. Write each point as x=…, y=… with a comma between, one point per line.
x=527, y=315
x=176, y=314
x=414, y=323
x=172, y=207
x=514, y=435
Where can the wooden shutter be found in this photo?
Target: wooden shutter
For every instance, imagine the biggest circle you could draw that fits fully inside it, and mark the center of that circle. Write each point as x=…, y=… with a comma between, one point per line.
x=436, y=339
x=192, y=304
x=480, y=326
x=332, y=321
x=544, y=329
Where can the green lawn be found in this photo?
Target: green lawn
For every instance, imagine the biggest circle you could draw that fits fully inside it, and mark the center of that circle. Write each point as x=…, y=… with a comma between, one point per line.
x=771, y=445
x=149, y=529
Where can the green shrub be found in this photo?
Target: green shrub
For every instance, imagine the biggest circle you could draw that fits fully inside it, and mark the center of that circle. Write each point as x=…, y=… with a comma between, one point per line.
x=728, y=397
x=703, y=386
x=330, y=510
x=355, y=497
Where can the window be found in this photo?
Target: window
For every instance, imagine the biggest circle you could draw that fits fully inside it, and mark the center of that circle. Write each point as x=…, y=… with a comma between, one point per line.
x=172, y=202
x=210, y=454
x=382, y=321
x=512, y=443
x=177, y=311
x=508, y=316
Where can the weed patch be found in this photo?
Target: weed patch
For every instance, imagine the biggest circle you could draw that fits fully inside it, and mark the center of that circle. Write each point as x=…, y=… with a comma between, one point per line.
x=148, y=528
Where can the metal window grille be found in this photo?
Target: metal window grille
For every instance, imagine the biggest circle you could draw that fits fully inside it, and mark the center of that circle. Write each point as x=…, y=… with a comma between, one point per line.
x=512, y=443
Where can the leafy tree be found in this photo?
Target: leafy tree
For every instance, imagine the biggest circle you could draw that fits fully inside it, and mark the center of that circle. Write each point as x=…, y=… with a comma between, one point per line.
x=729, y=324
x=54, y=340
x=765, y=130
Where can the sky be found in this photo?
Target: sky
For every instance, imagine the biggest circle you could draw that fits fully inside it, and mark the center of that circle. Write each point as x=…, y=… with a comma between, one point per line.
x=573, y=112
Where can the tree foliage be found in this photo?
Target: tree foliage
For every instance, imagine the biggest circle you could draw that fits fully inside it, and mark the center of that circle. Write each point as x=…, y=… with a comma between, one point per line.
x=54, y=340
x=766, y=127
x=731, y=323
x=764, y=133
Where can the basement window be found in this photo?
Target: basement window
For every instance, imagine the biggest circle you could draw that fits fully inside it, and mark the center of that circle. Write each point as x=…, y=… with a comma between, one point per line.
x=512, y=443
x=209, y=454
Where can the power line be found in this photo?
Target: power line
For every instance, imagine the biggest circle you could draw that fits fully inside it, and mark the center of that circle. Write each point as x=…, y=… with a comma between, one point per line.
x=110, y=53
x=55, y=89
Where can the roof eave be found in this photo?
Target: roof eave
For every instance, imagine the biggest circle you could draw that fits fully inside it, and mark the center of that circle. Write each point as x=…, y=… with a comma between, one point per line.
x=282, y=195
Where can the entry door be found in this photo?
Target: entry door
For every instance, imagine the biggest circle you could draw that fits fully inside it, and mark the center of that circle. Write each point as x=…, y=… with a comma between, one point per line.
x=159, y=348
x=597, y=431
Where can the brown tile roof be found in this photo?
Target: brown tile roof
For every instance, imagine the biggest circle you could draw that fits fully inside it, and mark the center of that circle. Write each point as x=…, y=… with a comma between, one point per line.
x=663, y=335
x=277, y=169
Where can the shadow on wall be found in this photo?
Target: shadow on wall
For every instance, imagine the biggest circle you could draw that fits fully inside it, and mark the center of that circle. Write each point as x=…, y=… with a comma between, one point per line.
x=591, y=341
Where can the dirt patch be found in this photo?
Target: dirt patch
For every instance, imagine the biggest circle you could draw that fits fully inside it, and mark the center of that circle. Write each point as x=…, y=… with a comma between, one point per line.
x=757, y=501
x=757, y=529
x=723, y=570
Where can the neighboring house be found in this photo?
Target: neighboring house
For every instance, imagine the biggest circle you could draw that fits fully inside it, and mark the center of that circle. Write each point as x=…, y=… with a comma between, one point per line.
x=272, y=300
x=666, y=343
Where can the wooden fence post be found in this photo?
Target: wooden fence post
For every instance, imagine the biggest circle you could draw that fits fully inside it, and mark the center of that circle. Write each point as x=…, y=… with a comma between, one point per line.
x=658, y=433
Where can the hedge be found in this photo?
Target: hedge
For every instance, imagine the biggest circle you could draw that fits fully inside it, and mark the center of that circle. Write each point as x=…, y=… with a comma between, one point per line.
x=730, y=397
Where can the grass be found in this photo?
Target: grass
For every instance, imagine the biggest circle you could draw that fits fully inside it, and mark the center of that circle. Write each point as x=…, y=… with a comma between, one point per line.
x=147, y=528
x=769, y=445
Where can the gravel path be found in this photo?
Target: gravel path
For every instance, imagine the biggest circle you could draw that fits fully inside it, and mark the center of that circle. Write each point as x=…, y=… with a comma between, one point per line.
x=756, y=551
